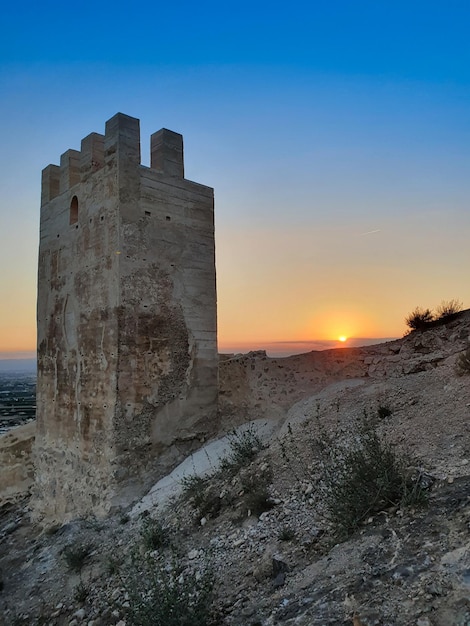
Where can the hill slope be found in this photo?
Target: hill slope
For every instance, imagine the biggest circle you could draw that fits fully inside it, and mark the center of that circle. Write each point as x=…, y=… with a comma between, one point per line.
x=262, y=521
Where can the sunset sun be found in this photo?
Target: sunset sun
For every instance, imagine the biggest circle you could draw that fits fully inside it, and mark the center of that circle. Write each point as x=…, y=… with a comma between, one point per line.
x=342, y=338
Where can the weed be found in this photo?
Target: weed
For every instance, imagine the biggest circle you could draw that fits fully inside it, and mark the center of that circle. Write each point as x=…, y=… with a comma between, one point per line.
x=76, y=556
x=202, y=494
x=154, y=535
x=383, y=411
x=258, y=501
x=419, y=319
x=462, y=365
x=256, y=496
x=448, y=309
x=80, y=593
x=124, y=518
x=364, y=478
x=168, y=594
x=286, y=534
x=193, y=485
x=244, y=446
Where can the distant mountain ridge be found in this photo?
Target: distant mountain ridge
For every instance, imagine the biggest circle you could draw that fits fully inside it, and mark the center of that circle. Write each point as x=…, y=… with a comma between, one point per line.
x=17, y=365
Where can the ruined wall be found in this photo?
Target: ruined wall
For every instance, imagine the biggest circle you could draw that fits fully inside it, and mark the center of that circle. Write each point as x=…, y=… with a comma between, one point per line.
x=127, y=361
x=254, y=386
x=17, y=475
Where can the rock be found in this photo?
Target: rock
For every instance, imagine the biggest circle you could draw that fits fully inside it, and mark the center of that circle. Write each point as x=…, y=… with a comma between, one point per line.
x=279, y=580
x=279, y=566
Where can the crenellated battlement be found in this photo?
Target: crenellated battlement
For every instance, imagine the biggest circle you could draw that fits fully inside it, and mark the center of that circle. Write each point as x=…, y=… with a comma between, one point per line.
x=119, y=145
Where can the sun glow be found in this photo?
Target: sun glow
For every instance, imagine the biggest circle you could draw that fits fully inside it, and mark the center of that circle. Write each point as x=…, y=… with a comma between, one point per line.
x=342, y=338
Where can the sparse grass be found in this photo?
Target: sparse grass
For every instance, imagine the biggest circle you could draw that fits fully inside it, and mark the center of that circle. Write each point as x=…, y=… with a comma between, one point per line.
x=462, y=365
x=447, y=309
x=232, y=483
x=202, y=494
x=419, y=319
x=244, y=445
x=257, y=498
x=286, y=534
x=365, y=478
x=383, y=411
x=80, y=593
x=154, y=535
x=76, y=556
x=168, y=594
x=192, y=485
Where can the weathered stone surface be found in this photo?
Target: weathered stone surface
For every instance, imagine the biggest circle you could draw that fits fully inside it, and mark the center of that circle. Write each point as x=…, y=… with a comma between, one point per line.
x=17, y=474
x=127, y=357
x=253, y=385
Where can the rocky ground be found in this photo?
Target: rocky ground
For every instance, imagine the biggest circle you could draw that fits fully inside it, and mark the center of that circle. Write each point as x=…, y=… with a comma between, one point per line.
x=261, y=528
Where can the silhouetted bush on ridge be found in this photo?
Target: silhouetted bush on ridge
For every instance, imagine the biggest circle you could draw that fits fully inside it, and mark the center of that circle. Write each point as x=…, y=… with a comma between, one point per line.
x=422, y=319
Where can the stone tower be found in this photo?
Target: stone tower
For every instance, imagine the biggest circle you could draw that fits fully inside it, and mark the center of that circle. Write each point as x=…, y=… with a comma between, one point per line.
x=127, y=344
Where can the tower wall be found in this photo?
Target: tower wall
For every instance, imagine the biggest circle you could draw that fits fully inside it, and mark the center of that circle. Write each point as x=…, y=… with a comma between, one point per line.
x=127, y=354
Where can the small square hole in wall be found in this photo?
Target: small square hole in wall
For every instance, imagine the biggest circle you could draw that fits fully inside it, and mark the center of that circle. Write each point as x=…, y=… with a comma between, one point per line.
x=168, y=218
x=102, y=218
x=148, y=213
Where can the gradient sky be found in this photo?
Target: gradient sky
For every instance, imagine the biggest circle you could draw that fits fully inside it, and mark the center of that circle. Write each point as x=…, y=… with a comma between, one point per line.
x=336, y=135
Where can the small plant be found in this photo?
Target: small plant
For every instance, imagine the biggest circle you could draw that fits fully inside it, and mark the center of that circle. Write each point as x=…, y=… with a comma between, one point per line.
x=80, y=593
x=258, y=500
x=448, y=309
x=462, y=365
x=124, y=518
x=419, y=319
x=364, y=478
x=383, y=411
x=168, y=594
x=286, y=534
x=244, y=446
x=76, y=556
x=193, y=485
x=202, y=494
x=154, y=535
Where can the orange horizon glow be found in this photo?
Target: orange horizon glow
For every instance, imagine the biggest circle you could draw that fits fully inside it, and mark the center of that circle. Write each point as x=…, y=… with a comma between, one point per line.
x=19, y=341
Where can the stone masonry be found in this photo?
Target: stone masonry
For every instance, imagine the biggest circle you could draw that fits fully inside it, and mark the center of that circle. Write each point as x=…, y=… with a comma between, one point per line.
x=127, y=345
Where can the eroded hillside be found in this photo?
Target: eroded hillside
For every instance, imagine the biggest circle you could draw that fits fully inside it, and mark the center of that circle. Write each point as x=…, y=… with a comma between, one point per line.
x=262, y=524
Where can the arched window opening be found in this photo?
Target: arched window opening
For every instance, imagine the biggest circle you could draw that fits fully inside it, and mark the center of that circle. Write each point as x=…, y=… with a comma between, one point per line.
x=74, y=210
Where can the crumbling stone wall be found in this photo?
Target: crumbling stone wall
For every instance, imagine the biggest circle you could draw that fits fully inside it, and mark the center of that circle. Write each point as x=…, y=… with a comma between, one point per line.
x=127, y=356
x=254, y=386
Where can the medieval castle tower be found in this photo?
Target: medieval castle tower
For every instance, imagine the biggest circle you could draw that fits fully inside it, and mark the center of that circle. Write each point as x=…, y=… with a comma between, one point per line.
x=127, y=352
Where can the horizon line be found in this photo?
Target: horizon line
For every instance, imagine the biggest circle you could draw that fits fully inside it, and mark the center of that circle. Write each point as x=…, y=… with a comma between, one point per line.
x=24, y=355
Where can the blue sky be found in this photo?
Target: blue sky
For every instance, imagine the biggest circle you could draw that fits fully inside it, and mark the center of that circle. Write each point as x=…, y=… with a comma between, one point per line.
x=336, y=136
